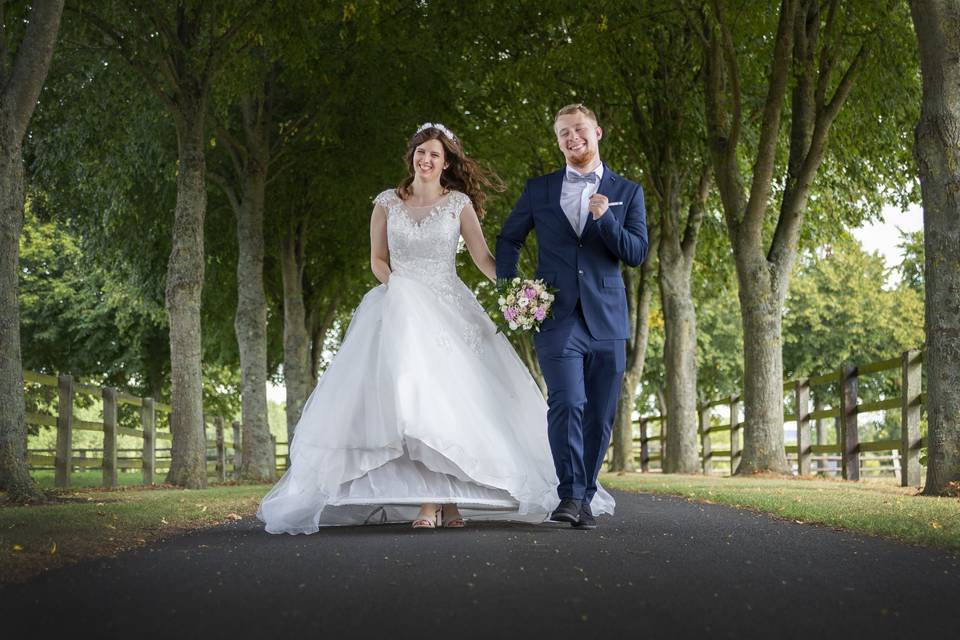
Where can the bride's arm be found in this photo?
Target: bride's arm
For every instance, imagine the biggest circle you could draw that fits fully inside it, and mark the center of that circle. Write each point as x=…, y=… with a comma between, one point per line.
x=379, y=252
x=476, y=243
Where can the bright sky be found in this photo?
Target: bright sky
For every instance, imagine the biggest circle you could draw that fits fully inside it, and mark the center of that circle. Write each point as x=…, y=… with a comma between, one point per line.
x=883, y=236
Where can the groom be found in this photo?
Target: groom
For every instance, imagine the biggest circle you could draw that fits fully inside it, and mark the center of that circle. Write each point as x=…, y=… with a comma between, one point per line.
x=588, y=220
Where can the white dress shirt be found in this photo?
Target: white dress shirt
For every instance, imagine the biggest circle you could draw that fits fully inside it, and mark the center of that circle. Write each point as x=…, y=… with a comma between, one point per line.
x=575, y=197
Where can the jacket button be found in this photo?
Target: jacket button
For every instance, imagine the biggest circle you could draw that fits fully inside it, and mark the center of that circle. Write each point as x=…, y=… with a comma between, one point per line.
x=580, y=245
x=580, y=272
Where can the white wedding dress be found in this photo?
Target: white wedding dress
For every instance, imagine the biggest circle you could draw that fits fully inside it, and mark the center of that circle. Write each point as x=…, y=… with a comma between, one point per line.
x=424, y=402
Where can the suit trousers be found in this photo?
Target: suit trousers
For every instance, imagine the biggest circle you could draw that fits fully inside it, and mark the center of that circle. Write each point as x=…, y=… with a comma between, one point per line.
x=583, y=377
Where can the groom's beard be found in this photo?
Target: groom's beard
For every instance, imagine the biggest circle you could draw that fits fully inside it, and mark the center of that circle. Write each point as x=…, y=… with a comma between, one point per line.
x=583, y=159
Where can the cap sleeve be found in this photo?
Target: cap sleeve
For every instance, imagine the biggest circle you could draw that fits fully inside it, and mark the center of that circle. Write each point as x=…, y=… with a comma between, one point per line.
x=386, y=198
x=460, y=200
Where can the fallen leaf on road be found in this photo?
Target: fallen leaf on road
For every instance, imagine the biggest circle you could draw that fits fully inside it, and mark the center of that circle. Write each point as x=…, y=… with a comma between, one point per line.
x=233, y=516
x=17, y=548
x=53, y=549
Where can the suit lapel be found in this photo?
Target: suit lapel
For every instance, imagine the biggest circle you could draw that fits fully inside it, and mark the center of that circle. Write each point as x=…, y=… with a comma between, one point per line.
x=555, y=185
x=607, y=184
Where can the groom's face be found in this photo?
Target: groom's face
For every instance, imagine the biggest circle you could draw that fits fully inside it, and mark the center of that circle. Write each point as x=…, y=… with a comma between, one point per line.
x=577, y=136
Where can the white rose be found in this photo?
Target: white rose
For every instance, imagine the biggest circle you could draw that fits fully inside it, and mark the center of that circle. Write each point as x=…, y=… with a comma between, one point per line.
x=511, y=299
x=523, y=302
x=513, y=325
x=501, y=301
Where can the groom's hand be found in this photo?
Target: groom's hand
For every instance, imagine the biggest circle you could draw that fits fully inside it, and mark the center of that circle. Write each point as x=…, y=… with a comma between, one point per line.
x=598, y=205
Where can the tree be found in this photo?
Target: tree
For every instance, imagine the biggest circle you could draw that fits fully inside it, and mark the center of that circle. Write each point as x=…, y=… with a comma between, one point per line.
x=21, y=79
x=250, y=155
x=178, y=54
x=841, y=311
x=937, y=25
x=911, y=267
x=818, y=54
x=662, y=90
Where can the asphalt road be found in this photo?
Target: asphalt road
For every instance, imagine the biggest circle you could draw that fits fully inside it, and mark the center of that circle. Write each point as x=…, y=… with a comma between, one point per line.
x=660, y=568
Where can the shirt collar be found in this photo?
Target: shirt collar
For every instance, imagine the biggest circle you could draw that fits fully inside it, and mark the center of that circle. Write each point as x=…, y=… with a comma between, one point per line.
x=598, y=171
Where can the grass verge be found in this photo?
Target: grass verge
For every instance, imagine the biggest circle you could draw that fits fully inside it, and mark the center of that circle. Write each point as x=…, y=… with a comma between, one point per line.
x=873, y=507
x=89, y=523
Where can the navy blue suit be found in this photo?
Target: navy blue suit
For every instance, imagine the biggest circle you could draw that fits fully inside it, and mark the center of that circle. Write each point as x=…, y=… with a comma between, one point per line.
x=582, y=348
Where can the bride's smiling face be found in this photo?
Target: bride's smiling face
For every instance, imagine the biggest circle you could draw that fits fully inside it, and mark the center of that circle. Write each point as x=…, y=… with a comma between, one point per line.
x=429, y=160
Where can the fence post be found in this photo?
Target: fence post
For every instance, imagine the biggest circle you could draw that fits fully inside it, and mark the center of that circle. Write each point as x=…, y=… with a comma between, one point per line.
x=910, y=419
x=821, y=430
x=849, y=437
x=273, y=446
x=705, y=439
x=644, y=446
x=662, y=440
x=148, y=421
x=734, y=434
x=237, y=451
x=221, y=450
x=63, y=464
x=802, y=393
x=109, y=395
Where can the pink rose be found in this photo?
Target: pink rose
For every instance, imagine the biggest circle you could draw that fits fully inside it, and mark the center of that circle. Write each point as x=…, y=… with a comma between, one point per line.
x=510, y=313
x=540, y=313
x=530, y=294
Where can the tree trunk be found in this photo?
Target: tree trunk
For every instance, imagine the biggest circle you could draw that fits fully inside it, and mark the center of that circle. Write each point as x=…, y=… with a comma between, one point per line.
x=937, y=24
x=680, y=362
x=761, y=310
x=296, y=342
x=185, y=272
x=677, y=253
x=529, y=356
x=318, y=336
x=764, y=269
x=250, y=323
x=622, y=437
x=21, y=83
x=14, y=476
x=639, y=284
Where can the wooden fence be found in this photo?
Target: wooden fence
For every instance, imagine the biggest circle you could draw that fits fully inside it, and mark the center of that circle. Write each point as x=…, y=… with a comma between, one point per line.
x=849, y=451
x=223, y=454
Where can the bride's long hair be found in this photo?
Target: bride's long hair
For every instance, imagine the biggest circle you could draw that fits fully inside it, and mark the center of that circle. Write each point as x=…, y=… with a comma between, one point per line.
x=462, y=173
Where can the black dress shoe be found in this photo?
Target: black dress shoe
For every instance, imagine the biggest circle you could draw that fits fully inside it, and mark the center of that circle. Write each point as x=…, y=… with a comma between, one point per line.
x=587, y=520
x=567, y=511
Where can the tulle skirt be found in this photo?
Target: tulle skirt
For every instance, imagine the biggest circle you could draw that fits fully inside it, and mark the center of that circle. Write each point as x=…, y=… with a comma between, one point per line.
x=424, y=402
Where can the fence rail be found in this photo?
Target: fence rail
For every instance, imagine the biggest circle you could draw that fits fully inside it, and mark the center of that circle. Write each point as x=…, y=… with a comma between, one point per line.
x=849, y=451
x=65, y=458
x=224, y=455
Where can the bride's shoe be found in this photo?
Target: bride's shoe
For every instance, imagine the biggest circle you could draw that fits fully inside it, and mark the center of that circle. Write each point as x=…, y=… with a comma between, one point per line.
x=452, y=523
x=430, y=523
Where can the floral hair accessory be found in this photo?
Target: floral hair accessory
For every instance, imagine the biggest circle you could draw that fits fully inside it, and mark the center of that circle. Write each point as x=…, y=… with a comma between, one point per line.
x=439, y=127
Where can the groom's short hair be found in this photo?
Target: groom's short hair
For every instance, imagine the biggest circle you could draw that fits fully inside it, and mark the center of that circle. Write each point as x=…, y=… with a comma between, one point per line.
x=577, y=107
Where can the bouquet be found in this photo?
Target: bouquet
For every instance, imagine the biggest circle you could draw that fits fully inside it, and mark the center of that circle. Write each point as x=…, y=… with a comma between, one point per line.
x=525, y=304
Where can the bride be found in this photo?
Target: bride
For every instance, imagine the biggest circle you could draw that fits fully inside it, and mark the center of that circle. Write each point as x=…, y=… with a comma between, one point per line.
x=426, y=414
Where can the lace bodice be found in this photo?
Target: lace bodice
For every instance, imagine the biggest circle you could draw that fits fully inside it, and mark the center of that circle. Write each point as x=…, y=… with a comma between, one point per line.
x=423, y=240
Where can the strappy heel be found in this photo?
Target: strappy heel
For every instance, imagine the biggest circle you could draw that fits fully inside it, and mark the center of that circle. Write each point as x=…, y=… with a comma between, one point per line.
x=430, y=523
x=452, y=523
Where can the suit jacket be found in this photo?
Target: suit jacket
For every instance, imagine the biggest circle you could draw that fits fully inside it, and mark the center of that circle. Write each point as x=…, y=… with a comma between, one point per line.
x=585, y=268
